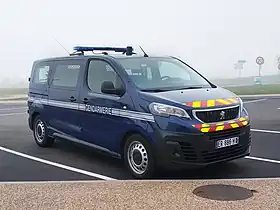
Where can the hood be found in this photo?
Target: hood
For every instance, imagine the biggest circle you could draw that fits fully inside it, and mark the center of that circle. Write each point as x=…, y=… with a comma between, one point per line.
x=189, y=96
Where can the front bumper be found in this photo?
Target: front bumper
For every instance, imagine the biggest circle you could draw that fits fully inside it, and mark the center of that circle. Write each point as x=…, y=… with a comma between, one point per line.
x=185, y=149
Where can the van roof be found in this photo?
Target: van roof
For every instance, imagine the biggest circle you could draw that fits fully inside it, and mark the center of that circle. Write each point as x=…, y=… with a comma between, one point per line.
x=79, y=53
x=86, y=57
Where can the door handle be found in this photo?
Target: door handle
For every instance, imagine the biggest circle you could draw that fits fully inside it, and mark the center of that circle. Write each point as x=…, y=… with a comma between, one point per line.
x=85, y=100
x=72, y=99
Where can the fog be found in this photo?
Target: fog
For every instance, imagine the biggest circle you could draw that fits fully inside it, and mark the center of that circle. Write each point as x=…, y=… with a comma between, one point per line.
x=209, y=35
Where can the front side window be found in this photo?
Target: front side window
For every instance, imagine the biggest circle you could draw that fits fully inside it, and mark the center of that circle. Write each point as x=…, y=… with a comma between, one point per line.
x=162, y=73
x=100, y=71
x=66, y=75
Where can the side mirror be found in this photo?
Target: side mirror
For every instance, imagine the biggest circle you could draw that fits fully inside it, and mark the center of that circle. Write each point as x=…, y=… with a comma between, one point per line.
x=108, y=87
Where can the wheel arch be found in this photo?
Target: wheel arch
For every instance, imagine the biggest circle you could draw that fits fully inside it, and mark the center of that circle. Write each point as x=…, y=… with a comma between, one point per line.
x=135, y=132
x=33, y=117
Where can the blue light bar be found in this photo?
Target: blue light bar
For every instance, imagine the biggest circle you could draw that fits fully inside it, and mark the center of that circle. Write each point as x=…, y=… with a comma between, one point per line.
x=128, y=50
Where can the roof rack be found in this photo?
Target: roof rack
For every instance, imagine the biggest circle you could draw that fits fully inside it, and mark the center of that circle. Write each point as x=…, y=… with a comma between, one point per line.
x=80, y=50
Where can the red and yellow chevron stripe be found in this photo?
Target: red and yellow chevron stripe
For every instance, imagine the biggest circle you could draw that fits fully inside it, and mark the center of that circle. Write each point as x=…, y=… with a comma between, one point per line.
x=213, y=127
x=212, y=103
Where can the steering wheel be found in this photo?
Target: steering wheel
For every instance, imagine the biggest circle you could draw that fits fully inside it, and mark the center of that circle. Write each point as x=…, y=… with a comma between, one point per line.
x=166, y=77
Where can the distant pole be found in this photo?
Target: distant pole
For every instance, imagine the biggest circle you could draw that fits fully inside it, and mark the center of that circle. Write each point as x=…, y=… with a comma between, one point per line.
x=260, y=62
x=278, y=64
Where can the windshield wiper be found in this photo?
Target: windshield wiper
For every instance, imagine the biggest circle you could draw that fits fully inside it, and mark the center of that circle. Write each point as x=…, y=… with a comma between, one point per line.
x=171, y=88
x=192, y=87
x=155, y=90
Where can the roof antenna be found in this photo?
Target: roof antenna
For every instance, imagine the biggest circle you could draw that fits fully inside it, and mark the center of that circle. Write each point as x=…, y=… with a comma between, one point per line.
x=145, y=54
x=61, y=45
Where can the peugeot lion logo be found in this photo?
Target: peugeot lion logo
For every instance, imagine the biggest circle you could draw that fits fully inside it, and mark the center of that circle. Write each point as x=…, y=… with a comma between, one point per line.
x=222, y=115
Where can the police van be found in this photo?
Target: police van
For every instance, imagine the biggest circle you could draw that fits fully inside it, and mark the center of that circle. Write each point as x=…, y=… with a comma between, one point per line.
x=151, y=112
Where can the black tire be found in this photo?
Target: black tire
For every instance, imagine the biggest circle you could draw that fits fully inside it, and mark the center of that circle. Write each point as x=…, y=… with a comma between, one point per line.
x=40, y=133
x=141, y=149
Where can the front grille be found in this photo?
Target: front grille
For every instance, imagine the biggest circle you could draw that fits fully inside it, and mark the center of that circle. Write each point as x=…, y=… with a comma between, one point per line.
x=224, y=134
x=223, y=153
x=218, y=115
x=191, y=156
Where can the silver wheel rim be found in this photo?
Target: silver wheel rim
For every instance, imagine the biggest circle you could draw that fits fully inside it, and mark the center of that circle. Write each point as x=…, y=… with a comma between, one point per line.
x=137, y=157
x=40, y=131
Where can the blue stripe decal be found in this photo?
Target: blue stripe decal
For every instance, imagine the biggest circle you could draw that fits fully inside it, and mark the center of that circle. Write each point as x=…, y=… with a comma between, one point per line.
x=95, y=109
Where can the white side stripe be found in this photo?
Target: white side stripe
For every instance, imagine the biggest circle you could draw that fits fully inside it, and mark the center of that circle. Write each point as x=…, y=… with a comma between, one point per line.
x=133, y=112
x=137, y=118
x=82, y=107
x=134, y=115
x=64, y=104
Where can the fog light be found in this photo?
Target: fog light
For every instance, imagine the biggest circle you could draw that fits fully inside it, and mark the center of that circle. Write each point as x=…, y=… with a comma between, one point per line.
x=176, y=153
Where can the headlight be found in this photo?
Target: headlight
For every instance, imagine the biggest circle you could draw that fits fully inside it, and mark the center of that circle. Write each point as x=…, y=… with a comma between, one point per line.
x=167, y=110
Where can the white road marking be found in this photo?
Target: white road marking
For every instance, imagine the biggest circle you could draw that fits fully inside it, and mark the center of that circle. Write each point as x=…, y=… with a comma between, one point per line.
x=254, y=101
x=8, y=109
x=69, y=168
x=263, y=159
x=265, y=131
x=11, y=114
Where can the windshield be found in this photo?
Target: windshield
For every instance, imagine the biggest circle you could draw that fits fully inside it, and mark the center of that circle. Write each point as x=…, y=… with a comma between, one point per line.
x=162, y=74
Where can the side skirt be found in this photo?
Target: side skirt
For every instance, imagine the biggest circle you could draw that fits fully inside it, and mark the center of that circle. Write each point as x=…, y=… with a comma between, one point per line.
x=75, y=140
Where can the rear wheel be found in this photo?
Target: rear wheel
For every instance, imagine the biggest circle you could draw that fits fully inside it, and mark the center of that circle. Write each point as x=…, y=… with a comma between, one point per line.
x=40, y=133
x=138, y=157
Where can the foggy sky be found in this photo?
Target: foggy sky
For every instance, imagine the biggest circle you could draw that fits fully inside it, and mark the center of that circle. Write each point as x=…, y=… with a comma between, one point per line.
x=209, y=35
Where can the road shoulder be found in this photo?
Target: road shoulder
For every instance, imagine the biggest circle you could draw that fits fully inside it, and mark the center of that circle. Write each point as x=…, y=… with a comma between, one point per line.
x=135, y=195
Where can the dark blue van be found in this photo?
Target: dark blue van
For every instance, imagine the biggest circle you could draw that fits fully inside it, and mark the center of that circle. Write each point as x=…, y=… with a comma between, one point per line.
x=152, y=112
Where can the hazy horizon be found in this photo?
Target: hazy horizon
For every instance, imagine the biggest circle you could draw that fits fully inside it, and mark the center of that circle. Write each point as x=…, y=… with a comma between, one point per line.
x=209, y=35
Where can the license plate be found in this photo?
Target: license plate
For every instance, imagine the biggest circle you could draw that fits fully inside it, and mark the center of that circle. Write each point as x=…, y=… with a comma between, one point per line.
x=227, y=142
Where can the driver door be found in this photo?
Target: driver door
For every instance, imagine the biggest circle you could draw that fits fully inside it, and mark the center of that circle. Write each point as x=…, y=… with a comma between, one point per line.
x=101, y=126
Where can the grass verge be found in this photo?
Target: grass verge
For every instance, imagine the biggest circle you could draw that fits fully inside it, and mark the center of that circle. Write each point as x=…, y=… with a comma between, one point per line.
x=13, y=91
x=14, y=99
x=255, y=89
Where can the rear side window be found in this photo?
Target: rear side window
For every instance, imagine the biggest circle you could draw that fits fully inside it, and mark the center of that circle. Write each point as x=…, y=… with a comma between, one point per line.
x=41, y=73
x=66, y=75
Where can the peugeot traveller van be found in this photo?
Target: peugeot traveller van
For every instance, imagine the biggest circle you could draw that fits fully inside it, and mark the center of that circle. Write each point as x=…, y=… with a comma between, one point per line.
x=150, y=111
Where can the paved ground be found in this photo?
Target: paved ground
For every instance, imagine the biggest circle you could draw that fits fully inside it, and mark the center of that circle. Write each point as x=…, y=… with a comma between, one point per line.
x=22, y=160
x=150, y=195
x=16, y=136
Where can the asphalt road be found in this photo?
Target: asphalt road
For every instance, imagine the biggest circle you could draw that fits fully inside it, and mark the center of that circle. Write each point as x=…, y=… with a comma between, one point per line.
x=68, y=161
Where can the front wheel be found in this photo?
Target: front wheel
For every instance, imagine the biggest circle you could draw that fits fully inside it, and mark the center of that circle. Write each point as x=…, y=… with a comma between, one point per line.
x=138, y=157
